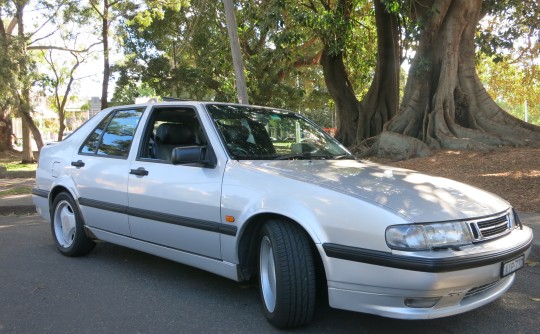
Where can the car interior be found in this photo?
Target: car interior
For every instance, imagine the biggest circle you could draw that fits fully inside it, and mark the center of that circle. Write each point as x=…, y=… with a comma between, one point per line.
x=170, y=128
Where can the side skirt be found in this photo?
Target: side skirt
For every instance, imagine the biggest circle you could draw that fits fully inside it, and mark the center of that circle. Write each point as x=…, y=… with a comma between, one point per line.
x=215, y=266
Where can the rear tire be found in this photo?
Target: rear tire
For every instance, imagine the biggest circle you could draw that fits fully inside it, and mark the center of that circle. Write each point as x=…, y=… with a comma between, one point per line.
x=67, y=227
x=286, y=274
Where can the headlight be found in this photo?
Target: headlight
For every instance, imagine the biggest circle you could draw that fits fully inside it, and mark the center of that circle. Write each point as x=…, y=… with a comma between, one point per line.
x=428, y=236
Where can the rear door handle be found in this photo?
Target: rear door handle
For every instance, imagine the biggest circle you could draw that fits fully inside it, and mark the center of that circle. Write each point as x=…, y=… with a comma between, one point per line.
x=78, y=163
x=139, y=171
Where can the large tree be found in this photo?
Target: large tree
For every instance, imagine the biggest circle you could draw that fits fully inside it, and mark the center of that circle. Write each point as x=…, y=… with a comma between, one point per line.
x=62, y=79
x=346, y=30
x=445, y=104
x=19, y=72
x=186, y=55
x=20, y=88
x=7, y=72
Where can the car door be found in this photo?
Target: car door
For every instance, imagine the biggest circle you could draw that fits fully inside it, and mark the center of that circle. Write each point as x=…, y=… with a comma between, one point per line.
x=176, y=206
x=100, y=171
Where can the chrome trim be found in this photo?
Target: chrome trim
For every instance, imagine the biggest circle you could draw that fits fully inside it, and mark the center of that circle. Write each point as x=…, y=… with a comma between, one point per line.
x=481, y=229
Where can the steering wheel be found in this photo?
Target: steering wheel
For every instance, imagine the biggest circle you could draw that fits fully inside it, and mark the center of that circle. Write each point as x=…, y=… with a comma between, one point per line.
x=237, y=150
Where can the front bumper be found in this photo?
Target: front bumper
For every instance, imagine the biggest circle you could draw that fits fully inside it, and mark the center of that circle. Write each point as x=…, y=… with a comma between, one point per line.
x=457, y=281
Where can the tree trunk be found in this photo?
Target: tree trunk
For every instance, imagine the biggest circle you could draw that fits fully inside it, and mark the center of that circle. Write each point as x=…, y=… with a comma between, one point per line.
x=28, y=126
x=24, y=95
x=106, y=65
x=346, y=103
x=382, y=99
x=357, y=121
x=6, y=131
x=27, y=154
x=445, y=104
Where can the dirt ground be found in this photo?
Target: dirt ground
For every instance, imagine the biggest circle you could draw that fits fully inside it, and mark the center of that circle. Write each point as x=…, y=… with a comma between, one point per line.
x=512, y=173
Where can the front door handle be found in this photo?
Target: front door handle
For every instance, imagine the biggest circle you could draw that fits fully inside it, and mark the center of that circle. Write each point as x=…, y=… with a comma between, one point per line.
x=78, y=163
x=139, y=171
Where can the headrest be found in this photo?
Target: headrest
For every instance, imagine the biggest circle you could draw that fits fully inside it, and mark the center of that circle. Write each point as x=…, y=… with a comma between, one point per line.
x=175, y=134
x=237, y=134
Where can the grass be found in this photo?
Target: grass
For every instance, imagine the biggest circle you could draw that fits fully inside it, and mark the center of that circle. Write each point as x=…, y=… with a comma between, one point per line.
x=17, y=166
x=11, y=161
x=16, y=191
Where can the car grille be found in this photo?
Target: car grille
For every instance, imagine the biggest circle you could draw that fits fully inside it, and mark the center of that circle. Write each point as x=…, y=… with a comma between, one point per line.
x=485, y=229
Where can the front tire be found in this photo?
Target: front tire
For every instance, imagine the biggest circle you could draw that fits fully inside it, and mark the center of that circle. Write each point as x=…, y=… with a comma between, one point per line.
x=67, y=227
x=286, y=274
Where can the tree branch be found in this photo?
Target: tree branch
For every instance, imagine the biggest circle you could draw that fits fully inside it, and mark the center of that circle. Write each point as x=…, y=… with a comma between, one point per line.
x=52, y=47
x=97, y=10
x=12, y=25
x=41, y=38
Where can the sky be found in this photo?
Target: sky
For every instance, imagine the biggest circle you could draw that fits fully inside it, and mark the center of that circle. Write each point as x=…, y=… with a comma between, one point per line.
x=89, y=75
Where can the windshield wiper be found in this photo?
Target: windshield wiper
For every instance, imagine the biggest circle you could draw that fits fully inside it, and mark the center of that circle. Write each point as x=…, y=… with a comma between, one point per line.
x=302, y=156
x=344, y=157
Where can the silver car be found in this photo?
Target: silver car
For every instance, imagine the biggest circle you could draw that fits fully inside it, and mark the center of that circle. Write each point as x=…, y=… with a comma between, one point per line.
x=244, y=191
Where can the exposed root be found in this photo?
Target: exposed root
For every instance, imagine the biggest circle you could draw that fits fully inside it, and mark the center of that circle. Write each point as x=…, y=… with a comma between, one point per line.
x=399, y=147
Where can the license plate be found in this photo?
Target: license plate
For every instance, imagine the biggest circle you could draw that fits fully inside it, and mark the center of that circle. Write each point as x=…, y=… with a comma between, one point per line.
x=509, y=267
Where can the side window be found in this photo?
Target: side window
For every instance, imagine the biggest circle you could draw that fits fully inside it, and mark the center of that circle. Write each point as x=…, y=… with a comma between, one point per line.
x=92, y=142
x=114, y=140
x=168, y=128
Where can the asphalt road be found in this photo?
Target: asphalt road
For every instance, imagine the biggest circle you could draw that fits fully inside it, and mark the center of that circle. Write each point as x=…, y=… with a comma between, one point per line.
x=117, y=290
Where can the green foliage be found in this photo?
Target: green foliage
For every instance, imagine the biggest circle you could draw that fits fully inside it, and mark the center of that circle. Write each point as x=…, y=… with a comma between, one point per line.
x=344, y=27
x=143, y=15
x=509, y=25
x=187, y=55
x=511, y=84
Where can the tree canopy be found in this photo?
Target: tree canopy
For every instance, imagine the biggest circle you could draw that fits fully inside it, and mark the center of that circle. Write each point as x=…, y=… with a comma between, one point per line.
x=338, y=61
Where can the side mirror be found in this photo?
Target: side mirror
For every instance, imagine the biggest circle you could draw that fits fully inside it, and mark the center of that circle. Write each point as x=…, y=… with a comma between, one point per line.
x=198, y=155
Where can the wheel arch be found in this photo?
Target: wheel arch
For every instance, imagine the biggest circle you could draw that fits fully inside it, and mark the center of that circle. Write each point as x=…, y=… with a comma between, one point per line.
x=64, y=183
x=57, y=190
x=248, y=245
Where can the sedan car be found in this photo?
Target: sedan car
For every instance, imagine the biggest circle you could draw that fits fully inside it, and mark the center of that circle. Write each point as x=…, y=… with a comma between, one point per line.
x=245, y=191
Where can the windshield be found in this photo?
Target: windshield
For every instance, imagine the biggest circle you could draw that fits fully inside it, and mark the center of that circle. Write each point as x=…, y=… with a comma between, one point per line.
x=262, y=133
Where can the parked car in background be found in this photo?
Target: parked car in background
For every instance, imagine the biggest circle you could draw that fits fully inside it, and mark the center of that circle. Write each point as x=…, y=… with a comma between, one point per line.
x=213, y=186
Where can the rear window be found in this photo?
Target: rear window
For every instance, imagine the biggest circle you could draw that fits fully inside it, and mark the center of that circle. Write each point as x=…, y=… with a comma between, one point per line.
x=114, y=135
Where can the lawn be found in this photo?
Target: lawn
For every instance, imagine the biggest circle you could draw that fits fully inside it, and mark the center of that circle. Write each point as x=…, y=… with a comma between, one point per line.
x=11, y=161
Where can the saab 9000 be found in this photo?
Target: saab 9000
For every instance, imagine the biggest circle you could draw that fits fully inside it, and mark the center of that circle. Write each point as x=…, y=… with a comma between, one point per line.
x=244, y=191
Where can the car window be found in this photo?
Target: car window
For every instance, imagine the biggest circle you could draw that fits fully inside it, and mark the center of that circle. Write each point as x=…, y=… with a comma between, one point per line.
x=263, y=133
x=92, y=142
x=168, y=128
x=114, y=135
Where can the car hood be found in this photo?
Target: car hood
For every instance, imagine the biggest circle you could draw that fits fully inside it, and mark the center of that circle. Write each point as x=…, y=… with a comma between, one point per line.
x=416, y=196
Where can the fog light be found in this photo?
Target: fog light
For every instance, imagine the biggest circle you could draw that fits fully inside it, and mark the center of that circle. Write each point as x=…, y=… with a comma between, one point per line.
x=426, y=302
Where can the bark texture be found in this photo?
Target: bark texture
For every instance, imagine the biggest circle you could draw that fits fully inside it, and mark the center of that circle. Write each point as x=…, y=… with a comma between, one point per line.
x=23, y=96
x=382, y=100
x=106, y=65
x=445, y=104
x=359, y=120
x=6, y=132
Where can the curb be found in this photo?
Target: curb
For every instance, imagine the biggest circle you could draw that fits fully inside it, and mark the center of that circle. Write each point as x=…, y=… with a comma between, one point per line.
x=17, y=210
x=4, y=174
